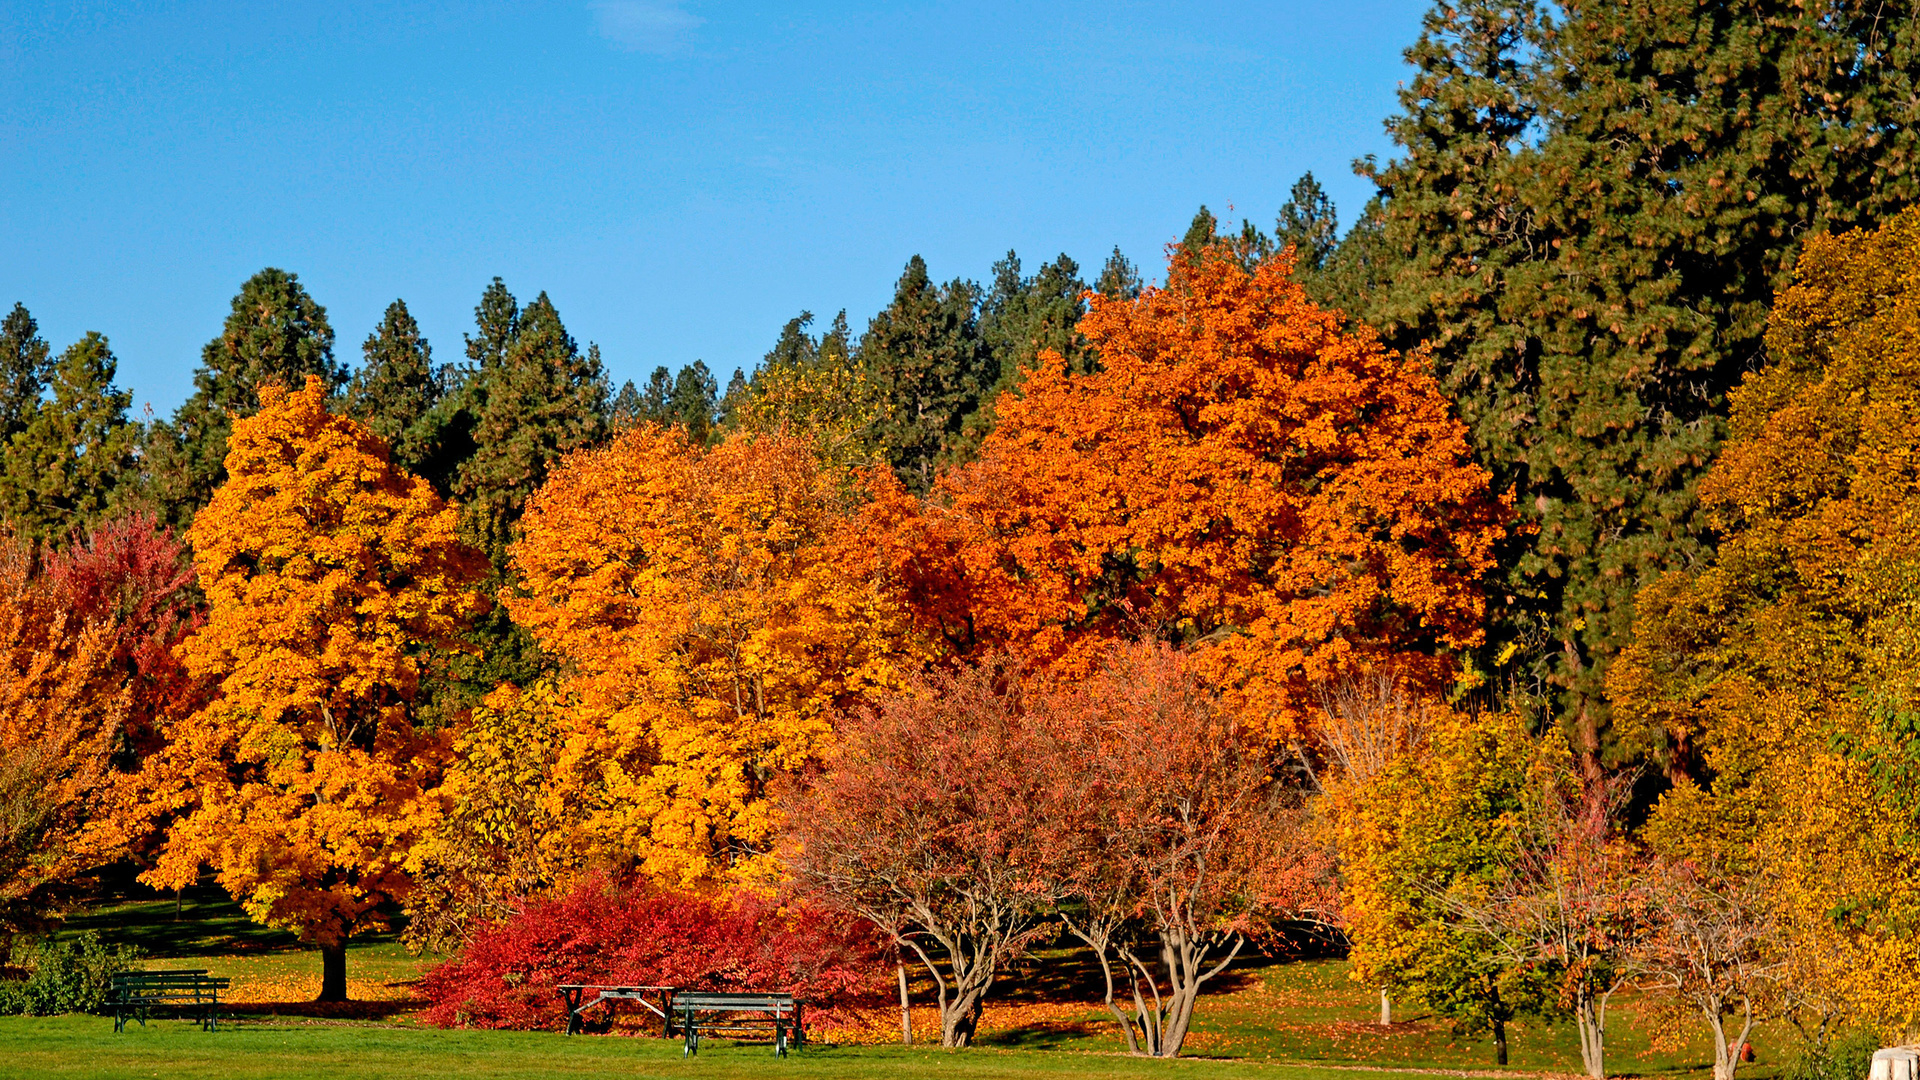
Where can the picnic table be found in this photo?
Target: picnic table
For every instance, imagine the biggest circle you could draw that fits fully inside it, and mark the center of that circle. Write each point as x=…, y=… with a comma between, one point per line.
x=190, y=991
x=575, y=995
x=748, y=1014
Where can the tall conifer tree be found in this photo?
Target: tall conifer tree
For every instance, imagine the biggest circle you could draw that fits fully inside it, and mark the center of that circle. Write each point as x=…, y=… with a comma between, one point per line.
x=274, y=334
x=65, y=469
x=397, y=391
x=926, y=360
x=534, y=399
x=1586, y=226
x=25, y=365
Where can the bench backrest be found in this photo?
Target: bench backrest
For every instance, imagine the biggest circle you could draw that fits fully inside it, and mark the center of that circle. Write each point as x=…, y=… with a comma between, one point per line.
x=742, y=1002
x=158, y=976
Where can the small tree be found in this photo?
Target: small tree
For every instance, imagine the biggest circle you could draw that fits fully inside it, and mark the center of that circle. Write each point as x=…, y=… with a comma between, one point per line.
x=327, y=570
x=924, y=823
x=1178, y=838
x=1711, y=953
x=1568, y=902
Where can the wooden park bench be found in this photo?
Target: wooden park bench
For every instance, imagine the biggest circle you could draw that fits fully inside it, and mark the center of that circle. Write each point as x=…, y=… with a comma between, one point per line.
x=738, y=1015
x=575, y=995
x=191, y=992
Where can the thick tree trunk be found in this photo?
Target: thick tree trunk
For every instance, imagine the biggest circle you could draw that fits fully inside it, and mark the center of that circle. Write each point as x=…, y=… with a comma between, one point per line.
x=333, y=972
x=1499, y=1041
x=1589, y=1018
x=1386, y=1008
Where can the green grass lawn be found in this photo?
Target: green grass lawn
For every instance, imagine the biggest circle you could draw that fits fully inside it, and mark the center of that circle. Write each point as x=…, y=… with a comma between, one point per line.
x=1299, y=1019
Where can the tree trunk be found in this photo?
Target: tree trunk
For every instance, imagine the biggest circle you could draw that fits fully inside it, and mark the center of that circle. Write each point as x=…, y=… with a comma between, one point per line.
x=1386, y=1008
x=333, y=972
x=1593, y=1036
x=1185, y=960
x=961, y=1018
x=906, y=1010
x=1499, y=1041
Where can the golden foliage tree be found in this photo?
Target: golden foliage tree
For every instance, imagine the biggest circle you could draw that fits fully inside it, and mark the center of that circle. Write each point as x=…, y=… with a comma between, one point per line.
x=1776, y=681
x=327, y=571
x=702, y=599
x=1242, y=472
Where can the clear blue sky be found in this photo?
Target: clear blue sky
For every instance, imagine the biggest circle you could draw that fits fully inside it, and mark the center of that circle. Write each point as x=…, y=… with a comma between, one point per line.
x=681, y=177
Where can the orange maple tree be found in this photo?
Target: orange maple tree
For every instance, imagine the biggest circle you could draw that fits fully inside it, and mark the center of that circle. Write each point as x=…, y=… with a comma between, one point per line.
x=705, y=611
x=327, y=570
x=1242, y=473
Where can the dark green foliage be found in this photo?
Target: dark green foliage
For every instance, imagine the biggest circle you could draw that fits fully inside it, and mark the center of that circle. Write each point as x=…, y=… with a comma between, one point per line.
x=25, y=365
x=1352, y=273
x=1308, y=222
x=629, y=408
x=65, y=469
x=1200, y=232
x=695, y=403
x=1586, y=225
x=70, y=976
x=1021, y=318
x=657, y=402
x=927, y=363
x=397, y=391
x=1119, y=280
x=532, y=400
x=275, y=333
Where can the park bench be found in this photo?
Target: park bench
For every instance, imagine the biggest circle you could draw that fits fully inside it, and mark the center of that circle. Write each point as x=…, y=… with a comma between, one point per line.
x=575, y=995
x=191, y=992
x=738, y=1015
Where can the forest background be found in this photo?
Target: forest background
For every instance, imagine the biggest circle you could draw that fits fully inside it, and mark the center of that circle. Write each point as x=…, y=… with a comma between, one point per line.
x=1518, y=584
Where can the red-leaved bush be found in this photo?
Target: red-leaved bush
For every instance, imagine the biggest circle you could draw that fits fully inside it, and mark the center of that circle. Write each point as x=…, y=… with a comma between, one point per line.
x=504, y=977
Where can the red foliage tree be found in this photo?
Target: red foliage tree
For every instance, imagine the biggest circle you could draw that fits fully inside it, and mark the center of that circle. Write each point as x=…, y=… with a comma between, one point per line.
x=505, y=975
x=1179, y=838
x=927, y=823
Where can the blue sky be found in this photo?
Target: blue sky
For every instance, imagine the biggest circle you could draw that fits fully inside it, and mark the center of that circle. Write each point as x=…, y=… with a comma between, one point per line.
x=681, y=178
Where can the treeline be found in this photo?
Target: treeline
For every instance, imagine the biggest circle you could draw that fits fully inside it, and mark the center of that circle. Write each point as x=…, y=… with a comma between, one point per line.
x=1520, y=584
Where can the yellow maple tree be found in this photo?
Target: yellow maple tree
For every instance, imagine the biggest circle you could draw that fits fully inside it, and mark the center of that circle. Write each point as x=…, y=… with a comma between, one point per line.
x=703, y=601
x=327, y=571
x=1776, y=681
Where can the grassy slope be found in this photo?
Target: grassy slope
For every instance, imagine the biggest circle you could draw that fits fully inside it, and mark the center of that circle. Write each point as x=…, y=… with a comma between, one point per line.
x=1045, y=1021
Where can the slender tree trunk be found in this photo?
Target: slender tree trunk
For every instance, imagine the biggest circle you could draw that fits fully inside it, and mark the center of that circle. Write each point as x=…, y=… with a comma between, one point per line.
x=1499, y=1041
x=1386, y=1008
x=906, y=1009
x=333, y=972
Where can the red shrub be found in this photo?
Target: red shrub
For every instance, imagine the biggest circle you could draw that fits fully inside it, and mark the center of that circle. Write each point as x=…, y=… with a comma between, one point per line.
x=601, y=933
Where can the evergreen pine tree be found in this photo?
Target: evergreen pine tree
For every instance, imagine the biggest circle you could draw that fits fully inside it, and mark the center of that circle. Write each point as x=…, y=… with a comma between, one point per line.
x=534, y=399
x=926, y=361
x=1586, y=227
x=25, y=365
x=275, y=333
x=629, y=408
x=658, y=399
x=1308, y=222
x=1119, y=280
x=1020, y=318
x=695, y=402
x=65, y=469
x=397, y=391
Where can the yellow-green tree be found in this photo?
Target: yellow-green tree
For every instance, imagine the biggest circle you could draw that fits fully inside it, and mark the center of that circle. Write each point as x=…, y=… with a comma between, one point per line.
x=1777, y=680
x=1424, y=835
x=327, y=571
x=702, y=599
